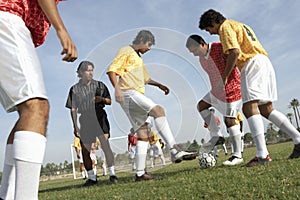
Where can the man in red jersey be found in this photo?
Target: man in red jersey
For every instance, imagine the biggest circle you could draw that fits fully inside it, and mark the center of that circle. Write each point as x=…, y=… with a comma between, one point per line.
x=225, y=101
x=23, y=26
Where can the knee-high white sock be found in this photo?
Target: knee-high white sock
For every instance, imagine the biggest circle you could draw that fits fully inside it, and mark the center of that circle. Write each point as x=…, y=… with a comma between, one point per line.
x=256, y=126
x=104, y=169
x=141, y=153
x=164, y=130
x=7, y=190
x=112, y=171
x=210, y=120
x=282, y=122
x=91, y=175
x=224, y=148
x=152, y=161
x=29, y=149
x=236, y=136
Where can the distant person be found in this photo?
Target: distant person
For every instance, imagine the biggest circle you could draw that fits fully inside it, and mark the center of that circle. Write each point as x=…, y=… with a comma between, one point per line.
x=88, y=98
x=78, y=149
x=155, y=150
x=24, y=25
x=102, y=161
x=131, y=147
x=258, y=81
x=226, y=101
x=129, y=76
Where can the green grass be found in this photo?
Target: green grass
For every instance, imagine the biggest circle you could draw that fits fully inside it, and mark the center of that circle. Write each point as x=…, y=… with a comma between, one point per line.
x=279, y=179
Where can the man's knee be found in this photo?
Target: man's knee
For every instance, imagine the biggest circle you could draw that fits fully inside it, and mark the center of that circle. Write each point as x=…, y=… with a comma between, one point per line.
x=157, y=111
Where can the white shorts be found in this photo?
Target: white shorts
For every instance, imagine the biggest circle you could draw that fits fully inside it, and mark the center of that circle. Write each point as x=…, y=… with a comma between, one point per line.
x=155, y=150
x=132, y=152
x=20, y=72
x=258, y=81
x=226, y=109
x=136, y=106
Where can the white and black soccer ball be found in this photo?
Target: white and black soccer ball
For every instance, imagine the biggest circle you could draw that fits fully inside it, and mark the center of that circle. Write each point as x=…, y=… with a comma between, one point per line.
x=207, y=160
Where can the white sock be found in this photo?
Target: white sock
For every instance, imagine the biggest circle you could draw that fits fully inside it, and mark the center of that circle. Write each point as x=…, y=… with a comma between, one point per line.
x=7, y=190
x=282, y=122
x=104, y=169
x=152, y=161
x=91, y=175
x=95, y=170
x=210, y=120
x=163, y=160
x=83, y=174
x=164, y=130
x=29, y=150
x=112, y=171
x=235, y=135
x=256, y=126
x=141, y=154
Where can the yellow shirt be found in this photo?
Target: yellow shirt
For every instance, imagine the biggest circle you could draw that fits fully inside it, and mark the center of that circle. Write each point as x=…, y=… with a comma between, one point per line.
x=77, y=143
x=131, y=69
x=153, y=138
x=236, y=35
x=239, y=118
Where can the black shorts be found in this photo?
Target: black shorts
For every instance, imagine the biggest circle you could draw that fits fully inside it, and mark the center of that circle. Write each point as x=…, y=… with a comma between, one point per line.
x=92, y=125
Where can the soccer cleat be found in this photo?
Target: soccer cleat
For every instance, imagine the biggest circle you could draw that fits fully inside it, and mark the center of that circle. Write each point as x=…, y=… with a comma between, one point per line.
x=296, y=152
x=144, y=177
x=113, y=179
x=258, y=161
x=89, y=182
x=182, y=155
x=233, y=160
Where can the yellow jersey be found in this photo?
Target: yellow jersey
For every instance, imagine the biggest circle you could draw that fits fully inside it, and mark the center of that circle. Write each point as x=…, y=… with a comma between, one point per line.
x=153, y=137
x=131, y=69
x=77, y=143
x=236, y=35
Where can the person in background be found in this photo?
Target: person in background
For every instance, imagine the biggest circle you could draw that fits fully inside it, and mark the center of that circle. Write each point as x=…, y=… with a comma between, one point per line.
x=78, y=149
x=132, y=141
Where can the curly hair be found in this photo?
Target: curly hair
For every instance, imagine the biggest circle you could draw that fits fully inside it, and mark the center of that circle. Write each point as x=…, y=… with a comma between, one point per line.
x=144, y=36
x=210, y=16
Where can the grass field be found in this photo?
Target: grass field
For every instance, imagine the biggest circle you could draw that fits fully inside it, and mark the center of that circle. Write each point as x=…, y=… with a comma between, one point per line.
x=279, y=179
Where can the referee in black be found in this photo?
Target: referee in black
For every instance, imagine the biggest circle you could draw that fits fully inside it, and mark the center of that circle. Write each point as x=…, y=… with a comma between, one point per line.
x=88, y=98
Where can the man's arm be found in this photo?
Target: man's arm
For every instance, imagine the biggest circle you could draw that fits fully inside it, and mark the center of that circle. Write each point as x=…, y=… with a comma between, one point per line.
x=50, y=9
x=118, y=92
x=231, y=60
x=74, y=121
x=159, y=85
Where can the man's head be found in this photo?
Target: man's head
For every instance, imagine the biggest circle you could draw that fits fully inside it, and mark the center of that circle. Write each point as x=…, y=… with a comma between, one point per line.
x=85, y=70
x=211, y=21
x=144, y=39
x=196, y=45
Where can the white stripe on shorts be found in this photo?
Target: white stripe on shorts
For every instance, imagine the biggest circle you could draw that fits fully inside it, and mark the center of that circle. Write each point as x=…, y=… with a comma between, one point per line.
x=20, y=72
x=258, y=81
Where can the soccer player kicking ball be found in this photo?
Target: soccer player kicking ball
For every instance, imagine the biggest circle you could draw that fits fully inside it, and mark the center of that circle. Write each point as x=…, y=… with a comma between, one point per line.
x=258, y=83
x=129, y=92
x=225, y=101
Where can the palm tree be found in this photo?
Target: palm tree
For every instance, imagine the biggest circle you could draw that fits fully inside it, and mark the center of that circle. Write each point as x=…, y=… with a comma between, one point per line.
x=295, y=104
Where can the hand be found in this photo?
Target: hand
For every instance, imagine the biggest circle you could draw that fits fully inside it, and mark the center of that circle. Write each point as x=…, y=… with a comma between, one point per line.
x=69, y=48
x=164, y=88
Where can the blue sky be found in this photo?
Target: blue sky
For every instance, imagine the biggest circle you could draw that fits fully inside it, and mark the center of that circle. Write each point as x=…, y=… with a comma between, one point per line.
x=99, y=28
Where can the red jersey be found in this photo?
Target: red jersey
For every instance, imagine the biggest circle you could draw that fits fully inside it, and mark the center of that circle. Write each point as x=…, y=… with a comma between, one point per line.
x=214, y=65
x=33, y=16
x=132, y=139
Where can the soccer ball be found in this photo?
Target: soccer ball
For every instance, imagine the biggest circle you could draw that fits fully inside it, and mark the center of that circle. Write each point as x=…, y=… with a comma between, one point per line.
x=207, y=160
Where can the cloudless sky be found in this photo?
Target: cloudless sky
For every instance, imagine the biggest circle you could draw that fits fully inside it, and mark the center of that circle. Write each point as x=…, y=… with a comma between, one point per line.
x=99, y=28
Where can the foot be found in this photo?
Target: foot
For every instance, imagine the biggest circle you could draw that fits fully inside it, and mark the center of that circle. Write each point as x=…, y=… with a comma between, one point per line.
x=113, y=179
x=296, y=152
x=259, y=161
x=182, y=155
x=233, y=160
x=144, y=177
x=89, y=182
